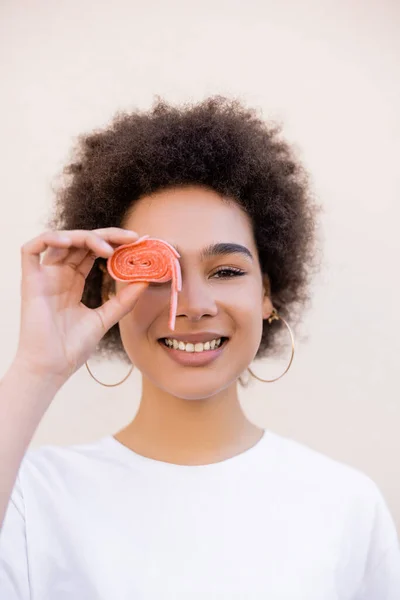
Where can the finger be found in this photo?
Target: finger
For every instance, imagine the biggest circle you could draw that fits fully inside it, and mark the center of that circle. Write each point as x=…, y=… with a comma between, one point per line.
x=117, y=235
x=80, y=238
x=52, y=256
x=120, y=305
x=82, y=243
x=32, y=250
x=83, y=260
x=106, y=237
x=70, y=255
x=114, y=236
x=86, y=264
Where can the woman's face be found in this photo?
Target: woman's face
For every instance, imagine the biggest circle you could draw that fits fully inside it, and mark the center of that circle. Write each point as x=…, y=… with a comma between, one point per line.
x=222, y=295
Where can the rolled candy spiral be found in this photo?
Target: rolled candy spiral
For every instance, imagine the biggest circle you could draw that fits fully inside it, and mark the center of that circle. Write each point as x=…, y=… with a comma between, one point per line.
x=148, y=259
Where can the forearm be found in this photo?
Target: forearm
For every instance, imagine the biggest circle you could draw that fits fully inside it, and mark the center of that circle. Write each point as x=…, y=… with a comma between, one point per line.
x=24, y=399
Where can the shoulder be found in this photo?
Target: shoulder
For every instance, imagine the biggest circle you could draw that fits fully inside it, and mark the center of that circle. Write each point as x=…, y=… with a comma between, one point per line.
x=60, y=463
x=325, y=477
x=310, y=462
x=332, y=491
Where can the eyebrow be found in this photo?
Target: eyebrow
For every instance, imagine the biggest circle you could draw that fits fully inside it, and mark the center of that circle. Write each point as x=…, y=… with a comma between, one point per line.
x=222, y=249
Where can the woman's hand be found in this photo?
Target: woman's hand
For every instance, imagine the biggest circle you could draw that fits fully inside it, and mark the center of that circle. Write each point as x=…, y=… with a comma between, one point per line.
x=57, y=332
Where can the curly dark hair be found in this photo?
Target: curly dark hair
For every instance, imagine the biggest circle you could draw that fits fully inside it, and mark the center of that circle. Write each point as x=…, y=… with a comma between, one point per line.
x=217, y=143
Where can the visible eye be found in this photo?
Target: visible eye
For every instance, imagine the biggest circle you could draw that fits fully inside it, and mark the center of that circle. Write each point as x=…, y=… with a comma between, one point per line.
x=227, y=272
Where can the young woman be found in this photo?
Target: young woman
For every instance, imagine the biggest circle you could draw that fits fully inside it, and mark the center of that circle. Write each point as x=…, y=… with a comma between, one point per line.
x=190, y=499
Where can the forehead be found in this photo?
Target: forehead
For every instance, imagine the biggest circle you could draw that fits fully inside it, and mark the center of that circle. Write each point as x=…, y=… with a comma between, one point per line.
x=190, y=217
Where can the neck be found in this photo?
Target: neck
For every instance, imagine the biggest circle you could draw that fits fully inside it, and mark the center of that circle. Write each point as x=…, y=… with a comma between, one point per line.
x=189, y=432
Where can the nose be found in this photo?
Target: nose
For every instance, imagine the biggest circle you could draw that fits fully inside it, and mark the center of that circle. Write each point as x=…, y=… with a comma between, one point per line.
x=196, y=299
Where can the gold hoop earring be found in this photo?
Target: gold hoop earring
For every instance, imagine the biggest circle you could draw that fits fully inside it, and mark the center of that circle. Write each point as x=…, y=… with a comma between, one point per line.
x=274, y=316
x=108, y=384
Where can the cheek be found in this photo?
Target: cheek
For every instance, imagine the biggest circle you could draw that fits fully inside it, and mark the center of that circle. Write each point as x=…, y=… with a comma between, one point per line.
x=148, y=307
x=249, y=295
x=245, y=304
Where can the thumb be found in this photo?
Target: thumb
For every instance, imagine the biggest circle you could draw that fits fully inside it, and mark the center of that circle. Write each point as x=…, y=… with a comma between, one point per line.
x=119, y=305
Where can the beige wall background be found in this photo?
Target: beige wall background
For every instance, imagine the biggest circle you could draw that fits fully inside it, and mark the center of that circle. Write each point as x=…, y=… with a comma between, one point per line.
x=328, y=70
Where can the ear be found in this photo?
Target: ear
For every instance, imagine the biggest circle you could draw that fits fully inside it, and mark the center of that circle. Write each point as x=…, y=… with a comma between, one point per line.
x=267, y=306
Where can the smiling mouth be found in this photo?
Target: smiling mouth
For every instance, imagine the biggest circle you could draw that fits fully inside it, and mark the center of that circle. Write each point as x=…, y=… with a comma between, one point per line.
x=193, y=347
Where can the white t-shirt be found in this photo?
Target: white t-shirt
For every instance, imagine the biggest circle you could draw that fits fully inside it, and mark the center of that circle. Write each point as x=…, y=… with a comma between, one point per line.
x=97, y=521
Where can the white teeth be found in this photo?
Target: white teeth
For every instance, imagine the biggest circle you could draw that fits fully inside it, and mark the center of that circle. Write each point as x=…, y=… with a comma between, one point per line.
x=189, y=347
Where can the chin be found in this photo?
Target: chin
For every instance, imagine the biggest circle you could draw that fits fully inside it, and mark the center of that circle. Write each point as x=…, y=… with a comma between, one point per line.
x=195, y=388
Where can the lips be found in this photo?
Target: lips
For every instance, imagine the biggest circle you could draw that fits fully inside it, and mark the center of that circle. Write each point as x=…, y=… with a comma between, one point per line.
x=194, y=359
